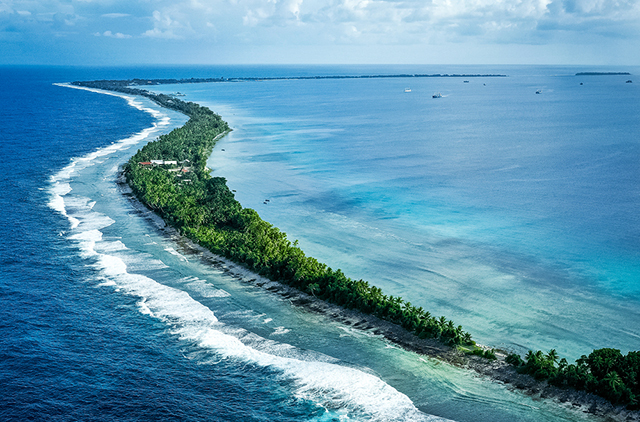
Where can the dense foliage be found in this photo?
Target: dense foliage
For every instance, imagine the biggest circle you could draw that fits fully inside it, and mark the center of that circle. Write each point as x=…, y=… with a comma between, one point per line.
x=605, y=372
x=203, y=208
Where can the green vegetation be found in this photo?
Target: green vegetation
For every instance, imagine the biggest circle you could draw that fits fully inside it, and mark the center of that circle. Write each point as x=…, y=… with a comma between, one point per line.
x=204, y=209
x=487, y=354
x=605, y=372
x=601, y=73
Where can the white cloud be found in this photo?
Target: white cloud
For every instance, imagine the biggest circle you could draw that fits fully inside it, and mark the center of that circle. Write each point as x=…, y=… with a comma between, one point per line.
x=323, y=24
x=166, y=25
x=389, y=21
x=116, y=35
x=115, y=15
x=270, y=13
x=112, y=35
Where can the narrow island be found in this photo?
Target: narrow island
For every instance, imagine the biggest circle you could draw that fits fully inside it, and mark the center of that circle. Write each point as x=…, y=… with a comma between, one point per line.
x=169, y=176
x=126, y=85
x=602, y=73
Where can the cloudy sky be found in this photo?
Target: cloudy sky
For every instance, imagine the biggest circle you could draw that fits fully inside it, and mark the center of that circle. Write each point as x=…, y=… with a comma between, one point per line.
x=320, y=31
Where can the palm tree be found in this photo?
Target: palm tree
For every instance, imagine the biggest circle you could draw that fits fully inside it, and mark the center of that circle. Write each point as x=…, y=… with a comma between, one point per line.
x=562, y=365
x=613, y=381
x=552, y=356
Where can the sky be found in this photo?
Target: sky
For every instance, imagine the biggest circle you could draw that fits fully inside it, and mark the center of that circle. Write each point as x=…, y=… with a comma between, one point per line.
x=126, y=32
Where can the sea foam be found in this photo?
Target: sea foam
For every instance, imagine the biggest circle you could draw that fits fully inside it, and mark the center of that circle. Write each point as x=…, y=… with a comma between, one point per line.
x=325, y=383
x=348, y=392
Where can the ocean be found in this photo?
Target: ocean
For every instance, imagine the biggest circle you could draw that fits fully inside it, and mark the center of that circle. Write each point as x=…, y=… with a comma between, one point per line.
x=510, y=212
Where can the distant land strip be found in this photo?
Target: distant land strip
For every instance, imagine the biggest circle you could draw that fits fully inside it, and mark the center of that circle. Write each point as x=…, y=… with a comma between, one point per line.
x=142, y=82
x=601, y=73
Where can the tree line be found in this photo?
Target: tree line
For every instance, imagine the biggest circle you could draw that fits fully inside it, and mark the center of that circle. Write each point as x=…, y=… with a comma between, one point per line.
x=605, y=372
x=205, y=210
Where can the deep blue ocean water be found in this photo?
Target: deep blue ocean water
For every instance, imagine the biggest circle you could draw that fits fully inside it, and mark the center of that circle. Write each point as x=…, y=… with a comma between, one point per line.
x=510, y=212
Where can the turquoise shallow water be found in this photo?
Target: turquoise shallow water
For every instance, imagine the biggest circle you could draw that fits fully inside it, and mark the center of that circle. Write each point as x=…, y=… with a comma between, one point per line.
x=509, y=211
x=103, y=318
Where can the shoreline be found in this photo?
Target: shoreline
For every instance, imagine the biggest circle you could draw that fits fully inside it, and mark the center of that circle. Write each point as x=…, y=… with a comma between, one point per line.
x=580, y=402
x=498, y=370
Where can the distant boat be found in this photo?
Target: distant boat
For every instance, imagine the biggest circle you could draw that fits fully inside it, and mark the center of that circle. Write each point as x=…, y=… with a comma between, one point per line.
x=539, y=91
x=436, y=95
x=629, y=81
x=407, y=90
x=466, y=82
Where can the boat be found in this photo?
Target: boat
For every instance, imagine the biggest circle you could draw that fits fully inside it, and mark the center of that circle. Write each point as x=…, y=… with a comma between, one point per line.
x=407, y=90
x=629, y=81
x=539, y=91
x=436, y=95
